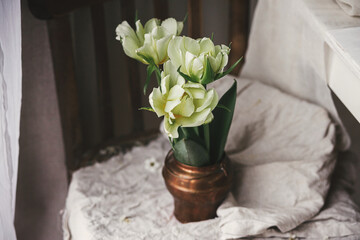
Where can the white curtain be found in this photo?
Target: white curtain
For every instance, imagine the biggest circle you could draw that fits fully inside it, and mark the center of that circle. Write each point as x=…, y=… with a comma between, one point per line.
x=10, y=102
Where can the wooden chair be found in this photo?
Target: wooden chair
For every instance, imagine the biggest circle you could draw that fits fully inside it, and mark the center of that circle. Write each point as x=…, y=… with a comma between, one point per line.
x=57, y=15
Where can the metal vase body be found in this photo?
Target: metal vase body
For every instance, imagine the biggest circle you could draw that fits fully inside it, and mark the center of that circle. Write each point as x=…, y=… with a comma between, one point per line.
x=197, y=191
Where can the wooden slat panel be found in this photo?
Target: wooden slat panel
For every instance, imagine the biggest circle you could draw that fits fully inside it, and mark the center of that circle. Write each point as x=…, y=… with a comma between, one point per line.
x=63, y=63
x=195, y=18
x=46, y=9
x=239, y=30
x=102, y=71
x=128, y=13
x=161, y=9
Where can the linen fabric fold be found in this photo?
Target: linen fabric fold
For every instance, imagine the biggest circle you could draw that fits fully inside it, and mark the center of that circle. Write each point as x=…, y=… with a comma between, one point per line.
x=351, y=7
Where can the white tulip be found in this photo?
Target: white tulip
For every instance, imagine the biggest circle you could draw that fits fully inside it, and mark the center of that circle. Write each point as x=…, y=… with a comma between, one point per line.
x=181, y=104
x=193, y=55
x=150, y=42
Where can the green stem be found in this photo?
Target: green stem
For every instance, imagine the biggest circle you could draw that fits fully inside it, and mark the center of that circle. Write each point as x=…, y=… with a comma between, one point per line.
x=158, y=75
x=207, y=136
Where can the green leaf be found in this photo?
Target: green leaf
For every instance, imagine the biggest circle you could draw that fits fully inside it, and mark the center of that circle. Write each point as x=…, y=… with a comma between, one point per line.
x=209, y=75
x=219, y=127
x=158, y=75
x=188, y=78
x=149, y=70
x=136, y=15
x=220, y=75
x=185, y=18
x=147, y=59
x=207, y=135
x=223, y=107
x=150, y=109
x=191, y=153
x=191, y=133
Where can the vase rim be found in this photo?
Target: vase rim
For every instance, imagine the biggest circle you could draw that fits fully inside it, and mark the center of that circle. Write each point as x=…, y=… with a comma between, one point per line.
x=195, y=168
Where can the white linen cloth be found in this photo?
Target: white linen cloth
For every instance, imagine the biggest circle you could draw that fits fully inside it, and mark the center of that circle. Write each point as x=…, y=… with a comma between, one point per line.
x=351, y=7
x=10, y=102
x=288, y=49
x=282, y=149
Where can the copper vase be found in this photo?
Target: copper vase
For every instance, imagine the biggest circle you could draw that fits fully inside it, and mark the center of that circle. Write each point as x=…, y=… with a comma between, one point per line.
x=197, y=191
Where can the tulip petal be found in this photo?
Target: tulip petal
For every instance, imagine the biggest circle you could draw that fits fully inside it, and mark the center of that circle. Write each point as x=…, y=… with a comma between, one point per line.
x=197, y=68
x=170, y=105
x=209, y=118
x=194, y=85
x=214, y=101
x=207, y=46
x=157, y=102
x=159, y=32
x=162, y=46
x=174, y=52
x=189, y=58
x=196, y=119
x=180, y=26
x=203, y=103
x=170, y=25
x=124, y=30
x=170, y=69
x=140, y=32
x=185, y=108
x=165, y=84
x=195, y=90
x=176, y=92
x=215, y=63
x=191, y=46
x=151, y=24
x=171, y=129
x=148, y=49
x=130, y=47
x=224, y=62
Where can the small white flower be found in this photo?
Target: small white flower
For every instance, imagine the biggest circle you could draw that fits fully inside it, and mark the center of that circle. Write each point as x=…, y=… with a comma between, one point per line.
x=151, y=164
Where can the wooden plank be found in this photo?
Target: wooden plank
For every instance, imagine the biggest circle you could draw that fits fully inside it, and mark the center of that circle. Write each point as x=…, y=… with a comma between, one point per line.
x=161, y=9
x=194, y=18
x=47, y=9
x=239, y=31
x=102, y=71
x=63, y=64
x=135, y=90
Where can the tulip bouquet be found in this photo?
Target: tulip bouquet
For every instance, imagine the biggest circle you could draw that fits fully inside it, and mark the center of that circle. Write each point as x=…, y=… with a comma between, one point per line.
x=196, y=121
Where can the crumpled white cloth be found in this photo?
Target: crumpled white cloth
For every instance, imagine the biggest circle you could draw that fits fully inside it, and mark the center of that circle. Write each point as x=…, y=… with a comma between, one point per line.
x=283, y=154
x=283, y=151
x=351, y=7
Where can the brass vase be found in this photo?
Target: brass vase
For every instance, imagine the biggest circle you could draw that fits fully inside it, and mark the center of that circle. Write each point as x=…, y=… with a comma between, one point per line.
x=197, y=191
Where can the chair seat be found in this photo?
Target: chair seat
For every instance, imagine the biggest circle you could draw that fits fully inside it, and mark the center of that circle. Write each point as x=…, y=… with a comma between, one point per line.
x=283, y=152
